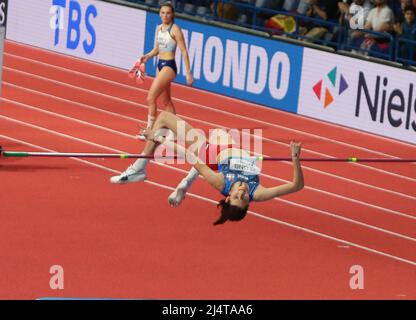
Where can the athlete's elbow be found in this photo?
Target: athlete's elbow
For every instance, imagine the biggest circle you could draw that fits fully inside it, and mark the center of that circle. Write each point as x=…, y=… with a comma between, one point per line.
x=184, y=53
x=298, y=186
x=301, y=184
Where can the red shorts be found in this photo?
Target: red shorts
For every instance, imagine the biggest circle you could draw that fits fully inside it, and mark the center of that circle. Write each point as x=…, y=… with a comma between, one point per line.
x=211, y=153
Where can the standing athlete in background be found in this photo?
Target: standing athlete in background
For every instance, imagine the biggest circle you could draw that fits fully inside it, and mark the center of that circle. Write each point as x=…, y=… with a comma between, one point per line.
x=168, y=36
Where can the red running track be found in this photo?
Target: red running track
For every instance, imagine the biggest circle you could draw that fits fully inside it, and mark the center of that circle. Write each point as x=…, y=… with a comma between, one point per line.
x=126, y=242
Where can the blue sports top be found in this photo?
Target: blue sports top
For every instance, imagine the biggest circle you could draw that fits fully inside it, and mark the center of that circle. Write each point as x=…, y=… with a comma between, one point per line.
x=239, y=169
x=165, y=40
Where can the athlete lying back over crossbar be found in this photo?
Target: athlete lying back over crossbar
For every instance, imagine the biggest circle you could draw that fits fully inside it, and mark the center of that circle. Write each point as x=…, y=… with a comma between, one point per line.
x=233, y=173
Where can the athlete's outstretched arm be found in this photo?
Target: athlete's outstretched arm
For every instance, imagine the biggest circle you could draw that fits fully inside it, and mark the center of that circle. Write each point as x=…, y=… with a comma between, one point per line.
x=264, y=194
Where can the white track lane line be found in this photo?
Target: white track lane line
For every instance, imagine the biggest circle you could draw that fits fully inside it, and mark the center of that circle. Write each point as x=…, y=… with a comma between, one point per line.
x=305, y=167
x=87, y=123
x=399, y=235
x=232, y=114
x=258, y=215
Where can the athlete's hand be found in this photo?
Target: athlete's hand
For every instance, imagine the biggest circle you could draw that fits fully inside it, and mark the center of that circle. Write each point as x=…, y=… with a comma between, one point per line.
x=143, y=59
x=189, y=80
x=147, y=133
x=295, y=148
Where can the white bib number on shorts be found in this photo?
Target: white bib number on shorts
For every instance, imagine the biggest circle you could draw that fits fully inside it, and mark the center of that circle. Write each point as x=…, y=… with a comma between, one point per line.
x=248, y=166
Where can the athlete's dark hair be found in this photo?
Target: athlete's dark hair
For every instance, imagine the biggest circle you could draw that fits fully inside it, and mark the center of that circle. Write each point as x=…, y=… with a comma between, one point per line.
x=168, y=4
x=230, y=212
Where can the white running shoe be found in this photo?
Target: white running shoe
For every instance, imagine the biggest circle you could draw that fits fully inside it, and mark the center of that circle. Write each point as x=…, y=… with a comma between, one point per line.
x=141, y=137
x=130, y=175
x=177, y=196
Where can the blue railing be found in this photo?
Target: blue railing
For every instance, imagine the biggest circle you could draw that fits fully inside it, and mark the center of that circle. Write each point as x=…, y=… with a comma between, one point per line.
x=382, y=38
x=337, y=36
x=409, y=50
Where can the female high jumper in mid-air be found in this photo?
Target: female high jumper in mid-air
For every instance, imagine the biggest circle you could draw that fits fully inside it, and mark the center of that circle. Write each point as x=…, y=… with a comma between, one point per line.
x=237, y=176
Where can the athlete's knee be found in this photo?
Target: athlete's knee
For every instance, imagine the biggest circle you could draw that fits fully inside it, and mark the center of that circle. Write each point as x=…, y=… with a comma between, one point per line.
x=163, y=116
x=170, y=109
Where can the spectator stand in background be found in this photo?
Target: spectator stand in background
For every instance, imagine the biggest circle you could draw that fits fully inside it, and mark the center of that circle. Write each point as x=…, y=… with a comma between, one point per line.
x=316, y=20
x=300, y=20
x=281, y=24
x=371, y=48
x=323, y=20
x=285, y=18
x=200, y=8
x=263, y=15
x=352, y=19
x=406, y=36
x=227, y=11
x=377, y=39
x=398, y=7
